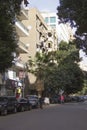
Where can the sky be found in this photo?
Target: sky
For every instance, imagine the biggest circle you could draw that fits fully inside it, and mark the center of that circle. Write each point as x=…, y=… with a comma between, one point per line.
x=44, y=5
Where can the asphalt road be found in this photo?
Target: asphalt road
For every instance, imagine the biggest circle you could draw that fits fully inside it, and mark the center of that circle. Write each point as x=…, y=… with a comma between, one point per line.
x=71, y=116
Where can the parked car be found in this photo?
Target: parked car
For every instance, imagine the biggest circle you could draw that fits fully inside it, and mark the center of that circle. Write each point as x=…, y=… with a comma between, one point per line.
x=78, y=98
x=33, y=100
x=46, y=101
x=8, y=104
x=24, y=105
x=68, y=98
x=55, y=99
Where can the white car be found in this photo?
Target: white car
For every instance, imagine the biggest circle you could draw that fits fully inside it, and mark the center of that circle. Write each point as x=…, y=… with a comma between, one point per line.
x=46, y=101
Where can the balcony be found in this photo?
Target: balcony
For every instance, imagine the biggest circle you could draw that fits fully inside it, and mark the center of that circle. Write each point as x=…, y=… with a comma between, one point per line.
x=23, y=15
x=21, y=29
x=22, y=47
x=50, y=39
x=19, y=65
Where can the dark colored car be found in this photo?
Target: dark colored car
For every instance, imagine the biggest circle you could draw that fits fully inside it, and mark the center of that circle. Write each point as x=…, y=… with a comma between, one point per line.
x=55, y=99
x=8, y=104
x=24, y=105
x=68, y=99
x=77, y=98
x=33, y=100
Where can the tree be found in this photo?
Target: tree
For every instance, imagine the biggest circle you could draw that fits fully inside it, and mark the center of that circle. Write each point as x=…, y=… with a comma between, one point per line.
x=60, y=69
x=67, y=52
x=75, y=12
x=8, y=36
x=70, y=77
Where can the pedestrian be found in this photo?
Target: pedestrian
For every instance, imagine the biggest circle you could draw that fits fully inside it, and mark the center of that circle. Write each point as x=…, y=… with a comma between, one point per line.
x=18, y=93
x=41, y=102
x=62, y=99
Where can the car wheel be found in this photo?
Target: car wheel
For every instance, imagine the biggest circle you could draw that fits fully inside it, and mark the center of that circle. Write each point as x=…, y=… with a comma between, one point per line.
x=30, y=107
x=38, y=105
x=15, y=110
x=4, y=112
x=22, y=109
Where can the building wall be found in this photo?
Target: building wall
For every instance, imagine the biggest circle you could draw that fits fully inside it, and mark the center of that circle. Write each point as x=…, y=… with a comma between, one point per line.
x=38, y=35
x=34, y=23
x=64, y=31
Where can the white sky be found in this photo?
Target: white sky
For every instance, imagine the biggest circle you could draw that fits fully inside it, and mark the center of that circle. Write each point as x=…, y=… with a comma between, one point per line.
x=83, y=56
x=44, y=5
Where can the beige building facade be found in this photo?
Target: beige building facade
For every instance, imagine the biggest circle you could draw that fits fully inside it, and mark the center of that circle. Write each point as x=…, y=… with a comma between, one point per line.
x=39, y=38
x=42, y=38
x=38, y=42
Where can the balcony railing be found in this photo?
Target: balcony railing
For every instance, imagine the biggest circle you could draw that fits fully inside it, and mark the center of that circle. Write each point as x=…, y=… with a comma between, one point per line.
x=18, y=62
x=23, y=48
x=21, y=29
x=23, y=15
x=20, y=65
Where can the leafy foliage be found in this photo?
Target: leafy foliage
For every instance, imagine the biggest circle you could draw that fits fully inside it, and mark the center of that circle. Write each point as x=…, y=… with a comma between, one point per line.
x=75, y=12
x=72, y=10
x=8, y=36
x=66, y=73
x=60, y=70
x=70, y=77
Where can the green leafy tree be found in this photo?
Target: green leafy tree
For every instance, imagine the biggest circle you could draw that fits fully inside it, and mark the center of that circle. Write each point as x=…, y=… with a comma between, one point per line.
x=66, y=73
x=67, y=52
x=8, y=36
x=75, y=12
x=60, y=69
x=69, y=76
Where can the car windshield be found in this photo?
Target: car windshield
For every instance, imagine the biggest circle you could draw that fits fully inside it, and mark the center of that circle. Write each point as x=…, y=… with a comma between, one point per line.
x=32, y=97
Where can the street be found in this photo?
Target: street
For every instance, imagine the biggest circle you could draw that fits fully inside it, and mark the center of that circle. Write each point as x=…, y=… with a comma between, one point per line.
x=70, y=116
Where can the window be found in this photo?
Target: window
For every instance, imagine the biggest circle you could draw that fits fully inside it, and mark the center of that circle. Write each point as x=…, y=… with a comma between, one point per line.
x=49, y=45
x=52, y=19
x=46, y=20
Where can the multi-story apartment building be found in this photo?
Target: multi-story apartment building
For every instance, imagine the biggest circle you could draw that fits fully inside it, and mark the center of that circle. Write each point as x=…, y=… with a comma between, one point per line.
x=34, y=35
x=50, y=19
x=39, y=33
x=64, y=31
x=41, y=39
x=12, y=75
x=52, y=42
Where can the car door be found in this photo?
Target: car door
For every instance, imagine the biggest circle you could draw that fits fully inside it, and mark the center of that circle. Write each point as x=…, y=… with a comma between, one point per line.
x=23, y=103
x=9, y=104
